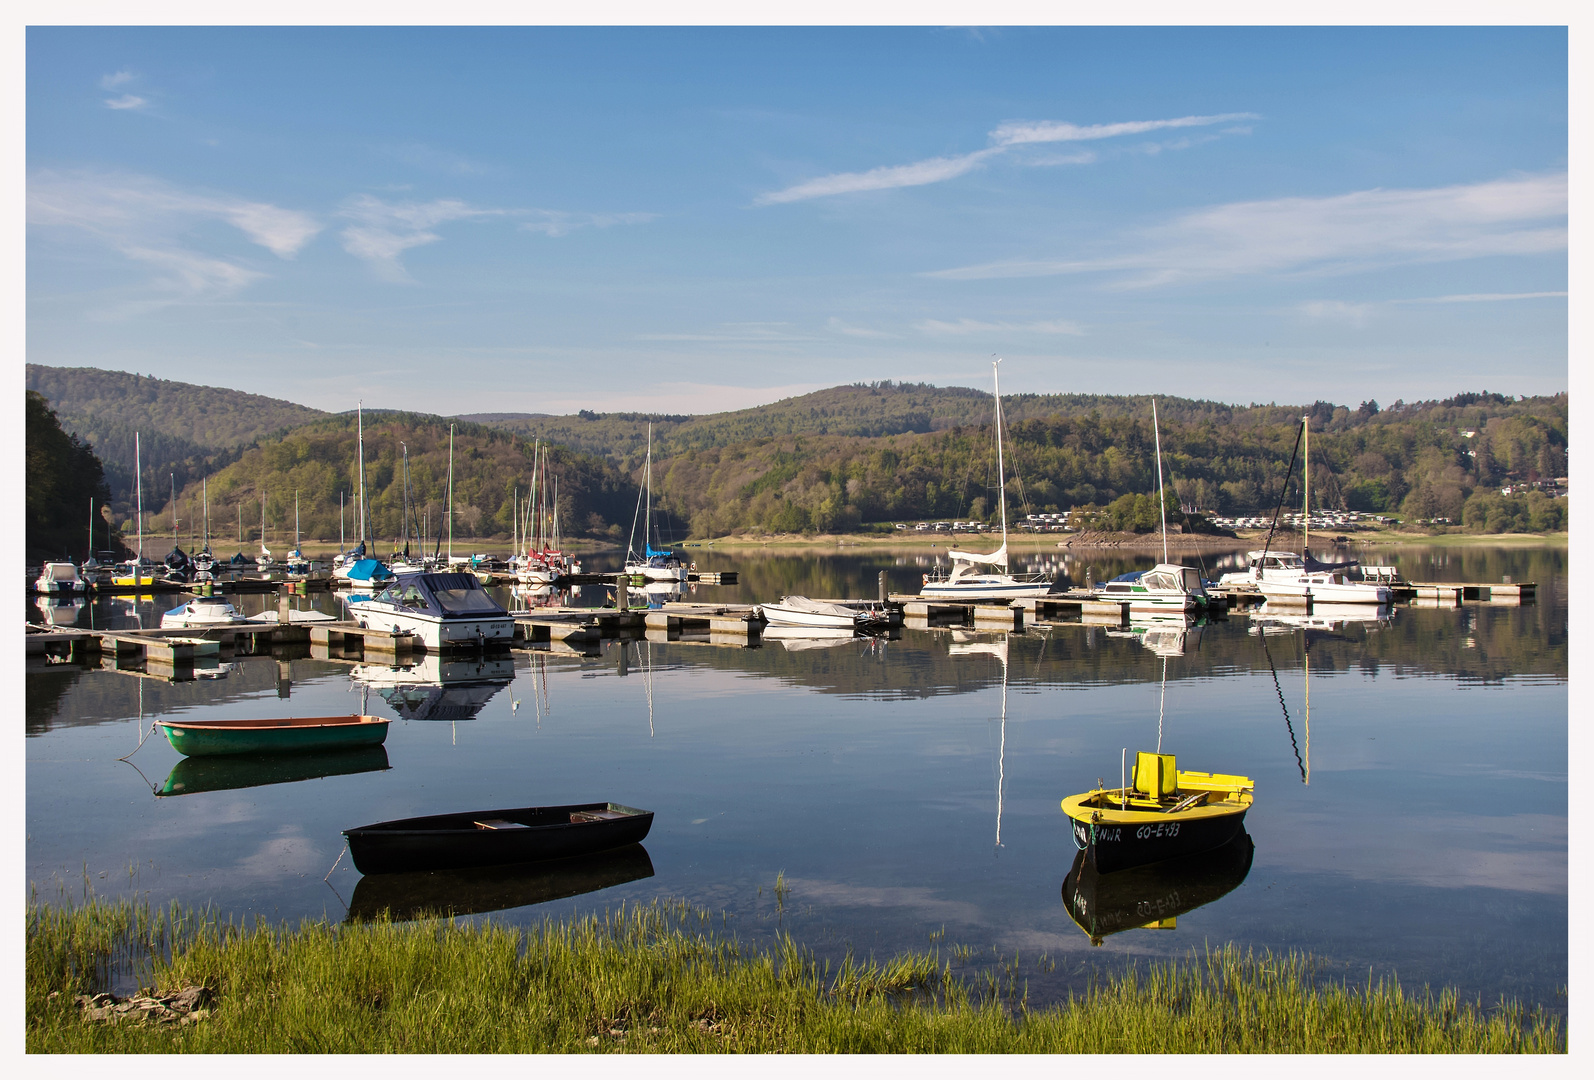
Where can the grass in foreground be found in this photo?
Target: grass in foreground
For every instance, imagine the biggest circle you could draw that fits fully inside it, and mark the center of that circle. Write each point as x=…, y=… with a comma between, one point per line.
x=653, y=978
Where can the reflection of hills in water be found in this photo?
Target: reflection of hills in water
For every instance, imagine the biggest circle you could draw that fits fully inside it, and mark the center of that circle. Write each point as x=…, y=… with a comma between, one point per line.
x=1153, y=896
x=101, y=697
x=439, y=688
x=196, y=774
x=494, y=888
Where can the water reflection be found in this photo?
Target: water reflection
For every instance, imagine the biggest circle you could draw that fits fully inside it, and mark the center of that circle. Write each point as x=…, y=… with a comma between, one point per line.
x=197, y=774
x=493, y=888
x=438, y=687
x=60, y=610
x=1152, y=897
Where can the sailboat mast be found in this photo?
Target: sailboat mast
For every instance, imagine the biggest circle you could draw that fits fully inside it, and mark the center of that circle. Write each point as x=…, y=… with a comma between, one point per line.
x=138, y=473
x=205, y=487
x=451, y=493
x=174, y=508
x=647, y=515
x=1001, y=474
x=359, y=443
x=1306, y=487
x=1162, y=503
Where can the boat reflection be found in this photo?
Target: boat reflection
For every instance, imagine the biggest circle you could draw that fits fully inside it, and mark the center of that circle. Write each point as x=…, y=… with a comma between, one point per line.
x=1154, y=895
x=61, y=609
x=1166, y=635
x=195, y=774
x=1371, y=617
x=493, y=888
x=437, y=687
x=799, y=638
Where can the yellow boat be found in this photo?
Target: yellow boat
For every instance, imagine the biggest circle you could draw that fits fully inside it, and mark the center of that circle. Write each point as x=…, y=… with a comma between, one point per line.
x=1164, y=813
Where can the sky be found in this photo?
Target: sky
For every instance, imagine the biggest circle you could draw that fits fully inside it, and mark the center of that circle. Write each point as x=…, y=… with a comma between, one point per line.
x=686, y=220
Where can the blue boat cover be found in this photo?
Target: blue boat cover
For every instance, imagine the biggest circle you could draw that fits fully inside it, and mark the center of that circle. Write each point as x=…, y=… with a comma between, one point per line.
x=369, y=570
x=1133, y=575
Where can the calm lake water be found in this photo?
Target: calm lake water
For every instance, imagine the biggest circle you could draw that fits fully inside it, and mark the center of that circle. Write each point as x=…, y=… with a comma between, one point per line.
x=1410, y=773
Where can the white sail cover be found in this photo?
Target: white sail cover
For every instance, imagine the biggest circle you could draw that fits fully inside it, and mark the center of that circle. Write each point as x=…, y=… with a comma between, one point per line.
x=816, y=607
x=995, y=558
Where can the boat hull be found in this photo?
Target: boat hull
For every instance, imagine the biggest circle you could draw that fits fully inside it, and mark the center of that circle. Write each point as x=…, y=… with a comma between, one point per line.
x=433, y=632
x=1305, y=592
x=456, y=841
x=1119, y=841
x=287, y=736
x=986, y=587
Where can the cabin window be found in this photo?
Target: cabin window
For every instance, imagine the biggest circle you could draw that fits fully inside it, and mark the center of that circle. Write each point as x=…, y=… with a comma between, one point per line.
x=1192, y=580
x=1159, y=581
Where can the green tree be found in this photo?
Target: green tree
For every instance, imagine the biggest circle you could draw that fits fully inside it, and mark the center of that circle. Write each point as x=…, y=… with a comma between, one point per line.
x=62, y=476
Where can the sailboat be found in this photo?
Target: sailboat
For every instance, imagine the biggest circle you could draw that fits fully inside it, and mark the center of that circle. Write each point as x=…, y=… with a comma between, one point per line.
x=651, y=564
x=351, y=567
x=1168, y=587
x=204, y=560
x=265, y=562
x=136, y=570
x=297, y=564
x=967, y=579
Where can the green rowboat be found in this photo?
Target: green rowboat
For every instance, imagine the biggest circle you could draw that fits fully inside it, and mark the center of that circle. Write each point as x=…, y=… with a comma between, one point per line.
x=289, y=735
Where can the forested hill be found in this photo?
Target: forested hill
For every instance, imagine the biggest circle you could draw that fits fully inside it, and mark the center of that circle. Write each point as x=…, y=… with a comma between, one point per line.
x=183, y=428
x=833, y=460
x=318, y=463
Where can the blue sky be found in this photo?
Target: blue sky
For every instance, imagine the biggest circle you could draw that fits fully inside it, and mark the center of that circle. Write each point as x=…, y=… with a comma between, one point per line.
x=688, y=220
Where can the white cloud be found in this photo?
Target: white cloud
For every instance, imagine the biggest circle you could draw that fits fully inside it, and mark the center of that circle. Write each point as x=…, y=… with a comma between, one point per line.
x=1336, y=234
x=930, y=171
x=126, y=101
x=973, y=326
x=835, y=325
x=562, y=223
x=1337, y=311
x=115, y=79
x=1006, y=135
x=1479, y=298
x=383, y=230
x=745, y=333
x=151, y=222
x=1017, y=132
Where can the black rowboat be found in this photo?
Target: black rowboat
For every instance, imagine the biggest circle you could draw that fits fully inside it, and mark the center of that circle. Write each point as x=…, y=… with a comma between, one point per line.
x=431, y=893
x=494, y=837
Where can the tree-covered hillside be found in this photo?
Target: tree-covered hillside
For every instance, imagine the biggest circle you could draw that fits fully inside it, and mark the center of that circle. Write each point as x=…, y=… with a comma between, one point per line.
x=318, y=461
x=63, y=475
x=184, y=429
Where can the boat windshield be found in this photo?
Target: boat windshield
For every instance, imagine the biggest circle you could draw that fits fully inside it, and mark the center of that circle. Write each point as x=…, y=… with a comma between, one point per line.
x=465, y=601
x=1191, y=580
x=1158, y=579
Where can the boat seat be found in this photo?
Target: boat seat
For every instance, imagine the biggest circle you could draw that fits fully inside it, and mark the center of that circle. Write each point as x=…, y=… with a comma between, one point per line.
x=1155, y=775
x=499, y=823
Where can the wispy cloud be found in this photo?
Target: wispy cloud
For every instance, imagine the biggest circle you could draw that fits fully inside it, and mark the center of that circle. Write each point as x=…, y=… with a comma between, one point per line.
x=1337, y=311
x=741, y=333
x=1017, y=132
x=117, y=80
x=974, y=326
x=151, y=222
x=436, y=159
x=1479, y=298
x=562, y=223
x=1337, y=234
x=383, y=231
x=836, y=326
x=1007, y=135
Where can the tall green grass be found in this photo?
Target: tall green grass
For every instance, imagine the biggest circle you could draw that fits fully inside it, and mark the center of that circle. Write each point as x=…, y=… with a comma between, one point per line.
x=656, y=978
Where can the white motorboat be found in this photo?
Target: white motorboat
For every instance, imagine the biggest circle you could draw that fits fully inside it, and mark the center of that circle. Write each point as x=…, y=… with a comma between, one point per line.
x=799, y=611
x=60, y=577
x=1325, y=587
x=441, y=610
x=202, y=611
x=969, y=578
x=1165, y=588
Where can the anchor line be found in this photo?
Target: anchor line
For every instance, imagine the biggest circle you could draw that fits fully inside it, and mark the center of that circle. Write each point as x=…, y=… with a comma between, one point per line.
x=1287, y=725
